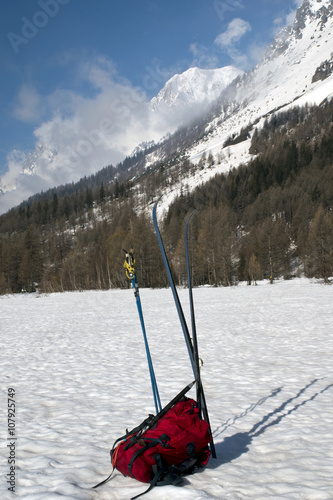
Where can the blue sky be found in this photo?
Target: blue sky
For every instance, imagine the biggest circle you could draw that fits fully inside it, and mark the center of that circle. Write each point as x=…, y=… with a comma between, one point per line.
x=63, y=61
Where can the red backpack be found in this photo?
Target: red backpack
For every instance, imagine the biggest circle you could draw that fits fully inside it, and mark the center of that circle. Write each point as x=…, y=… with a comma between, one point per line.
x=164, y=448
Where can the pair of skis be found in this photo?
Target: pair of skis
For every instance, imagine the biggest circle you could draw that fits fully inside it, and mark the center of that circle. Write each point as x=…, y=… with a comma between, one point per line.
x=192, y=347
x=191, y=344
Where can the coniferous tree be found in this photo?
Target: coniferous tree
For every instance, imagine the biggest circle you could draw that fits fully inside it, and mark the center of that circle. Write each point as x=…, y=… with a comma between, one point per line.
x=55, y=206
x=320, y=246
x=31, y=268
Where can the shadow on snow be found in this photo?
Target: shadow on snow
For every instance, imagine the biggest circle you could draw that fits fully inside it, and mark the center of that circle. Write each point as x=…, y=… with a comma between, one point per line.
x=234, y=446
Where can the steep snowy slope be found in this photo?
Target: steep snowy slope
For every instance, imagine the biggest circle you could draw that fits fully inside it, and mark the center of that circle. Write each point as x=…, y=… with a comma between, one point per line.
x=285, y=76
x=296, y=69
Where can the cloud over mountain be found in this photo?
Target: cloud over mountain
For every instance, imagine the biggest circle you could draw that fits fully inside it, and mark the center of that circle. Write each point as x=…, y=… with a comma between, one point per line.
x=102, y=117
x=237, y=28
x=80, y=131
x=83, y=133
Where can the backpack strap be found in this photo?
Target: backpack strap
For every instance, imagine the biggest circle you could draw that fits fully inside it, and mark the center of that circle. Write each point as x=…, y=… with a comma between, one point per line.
x=161, y=476
x=170, y=474
x=153, y=482
x=104, y=481
x=163, y=441
x=113, y=453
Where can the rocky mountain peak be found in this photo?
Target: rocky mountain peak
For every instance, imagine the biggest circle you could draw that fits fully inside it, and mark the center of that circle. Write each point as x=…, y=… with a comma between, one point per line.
x=194, y=86
x=317, y=10
x=311, y=12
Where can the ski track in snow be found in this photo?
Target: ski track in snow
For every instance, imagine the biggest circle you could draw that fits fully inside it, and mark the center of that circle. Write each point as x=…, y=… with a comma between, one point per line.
x=78, y=366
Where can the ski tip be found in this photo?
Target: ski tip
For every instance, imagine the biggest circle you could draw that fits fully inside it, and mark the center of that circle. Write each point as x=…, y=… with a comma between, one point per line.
x=154, y=209
x=157, y=201
x=191, y=384
x=189, y=218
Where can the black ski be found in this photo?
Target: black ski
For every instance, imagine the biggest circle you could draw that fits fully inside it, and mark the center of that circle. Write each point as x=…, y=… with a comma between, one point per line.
x=189, y=345
x=193, y=325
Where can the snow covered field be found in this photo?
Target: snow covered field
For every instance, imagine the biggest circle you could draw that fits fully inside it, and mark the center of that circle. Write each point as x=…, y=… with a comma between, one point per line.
x=78, y=367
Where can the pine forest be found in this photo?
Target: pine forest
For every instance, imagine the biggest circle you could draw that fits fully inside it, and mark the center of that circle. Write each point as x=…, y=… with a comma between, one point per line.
x=271, y=218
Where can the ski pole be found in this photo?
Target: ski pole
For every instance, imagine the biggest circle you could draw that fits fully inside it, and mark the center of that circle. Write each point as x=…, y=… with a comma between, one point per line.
x=131, y=275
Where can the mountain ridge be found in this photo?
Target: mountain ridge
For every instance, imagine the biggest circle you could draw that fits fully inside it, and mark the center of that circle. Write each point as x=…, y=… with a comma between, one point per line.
x=276, y=83
x=296, y=69
x=194, y=87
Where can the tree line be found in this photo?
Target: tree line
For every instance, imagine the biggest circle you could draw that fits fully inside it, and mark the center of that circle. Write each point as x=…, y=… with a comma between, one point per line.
x=268, y=219
x=272, y=217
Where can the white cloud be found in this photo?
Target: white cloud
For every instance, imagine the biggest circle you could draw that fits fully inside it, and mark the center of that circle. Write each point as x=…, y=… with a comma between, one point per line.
x=99, y=71
x=228, y=42
x=256, y=51
x=203, y=57
x=28, y=106
x=15, y=160
x=83, y=133
x=237, y=28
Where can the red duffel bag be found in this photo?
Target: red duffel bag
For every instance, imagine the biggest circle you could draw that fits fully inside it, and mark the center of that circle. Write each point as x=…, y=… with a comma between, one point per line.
x=179, y=437
x=165, y=447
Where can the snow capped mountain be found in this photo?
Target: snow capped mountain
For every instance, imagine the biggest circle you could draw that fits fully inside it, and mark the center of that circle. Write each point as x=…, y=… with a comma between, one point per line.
x=40, y=154
x=296, y=69
x=290, y=62
x=194, y=86
x=25, y=172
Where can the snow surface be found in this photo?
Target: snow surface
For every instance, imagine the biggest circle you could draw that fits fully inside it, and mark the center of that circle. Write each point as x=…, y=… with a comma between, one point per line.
x=77, y=363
